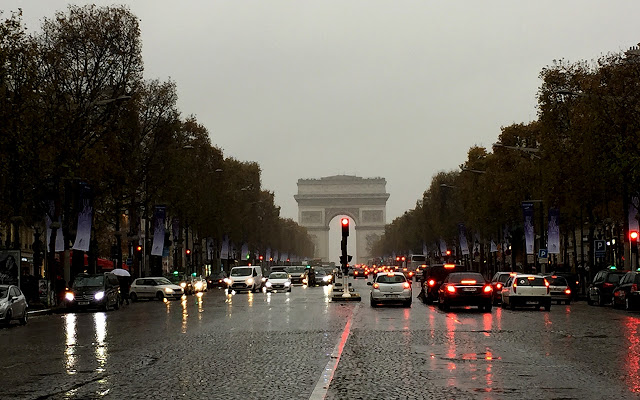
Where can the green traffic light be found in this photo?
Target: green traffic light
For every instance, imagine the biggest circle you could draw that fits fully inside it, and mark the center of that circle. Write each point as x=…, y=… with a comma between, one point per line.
x=248, y=256
x=175, y=272
x=193, y=274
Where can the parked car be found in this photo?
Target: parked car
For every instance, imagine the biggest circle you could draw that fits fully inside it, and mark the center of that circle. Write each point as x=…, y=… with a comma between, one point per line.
x=391, y=287
x=94, y=291
x=278, y=281
x=526, y=290
x=13, y=305
x=559, y=288
x=154, y=288
x=600, y=291
x=626, y=294
x=296, y=272
x=497, y=282
x=434, y=276
x=465, y=289
x=246, y=278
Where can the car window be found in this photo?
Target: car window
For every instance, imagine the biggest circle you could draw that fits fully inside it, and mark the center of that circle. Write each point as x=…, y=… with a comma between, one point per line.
x=241, y=271
x=391, y=279
x=296, y=269
x=529, y=281
x=557, y=281
x=13, y=292
x=161, y=281
x=636, y=279
x=503, y=278
x=278, y=275
x=4, y=291
x=88, y=281
x=418, y=258
x=613, y=278
x=467, y=276
x=598, y=277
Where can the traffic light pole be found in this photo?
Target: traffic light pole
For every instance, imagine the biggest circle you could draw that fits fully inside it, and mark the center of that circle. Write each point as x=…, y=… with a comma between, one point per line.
x=345, y=267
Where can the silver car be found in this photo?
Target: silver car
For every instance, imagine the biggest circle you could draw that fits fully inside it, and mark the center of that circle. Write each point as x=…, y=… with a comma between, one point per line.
x=13, y=304
x=391, y=287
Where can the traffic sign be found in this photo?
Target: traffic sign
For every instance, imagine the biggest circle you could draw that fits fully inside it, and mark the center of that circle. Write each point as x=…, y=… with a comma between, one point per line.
x=600, y=248
x=129, y=261
x=543, y=253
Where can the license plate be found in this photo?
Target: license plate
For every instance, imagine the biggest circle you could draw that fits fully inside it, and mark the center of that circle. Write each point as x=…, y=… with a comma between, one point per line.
x=83, y=303
x=391, y=295
x=469, y=289
x=532, y=302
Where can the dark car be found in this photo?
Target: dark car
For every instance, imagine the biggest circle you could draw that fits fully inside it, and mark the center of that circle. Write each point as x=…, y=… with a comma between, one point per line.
x=358, y=272
x=217, y=280
x=626, y=294
x=296, y=273
x=94, y=291
x=572, y=279
x=433, y=278
x=497, y=282
x=600, y=291
x=465, y=289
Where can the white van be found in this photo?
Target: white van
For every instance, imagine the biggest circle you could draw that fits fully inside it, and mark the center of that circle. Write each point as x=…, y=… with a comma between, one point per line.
x=245, y=278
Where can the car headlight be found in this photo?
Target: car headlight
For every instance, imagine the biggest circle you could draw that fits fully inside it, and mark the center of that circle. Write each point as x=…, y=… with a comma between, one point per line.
x=198, y=285
x=268, y=284
x=99, y=295
x=264, y=279
x=69, y=296
x=183, y=285
x=168, y=290
x=326, y=278
x=287, y=283
x=249, y=281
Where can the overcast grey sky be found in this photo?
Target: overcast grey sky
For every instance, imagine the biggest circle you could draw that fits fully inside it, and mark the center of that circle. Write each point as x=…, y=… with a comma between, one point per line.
x=374, y=88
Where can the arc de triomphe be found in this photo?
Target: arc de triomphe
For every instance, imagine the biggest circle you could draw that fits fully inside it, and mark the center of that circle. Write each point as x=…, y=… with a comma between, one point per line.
x=362, y=199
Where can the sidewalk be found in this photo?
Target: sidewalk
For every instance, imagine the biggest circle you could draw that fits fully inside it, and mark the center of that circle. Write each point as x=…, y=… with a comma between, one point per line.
x=36, y=309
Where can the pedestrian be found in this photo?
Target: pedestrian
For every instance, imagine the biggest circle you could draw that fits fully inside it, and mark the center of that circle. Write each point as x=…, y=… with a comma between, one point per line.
x=311, y=277
x=124, y=289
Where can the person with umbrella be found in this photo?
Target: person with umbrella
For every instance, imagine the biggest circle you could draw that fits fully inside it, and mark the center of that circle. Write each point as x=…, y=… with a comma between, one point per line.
x=124, y=278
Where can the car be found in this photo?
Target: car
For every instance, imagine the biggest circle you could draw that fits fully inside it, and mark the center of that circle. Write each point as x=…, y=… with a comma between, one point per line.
x=526, y=290
x=278, y=281
x=94, y=291
x=321, y=277
x=497, y=282
x=13, y=305
x=572, y=279
x=183, y=280
x=600, y=291
x=390, y=287
x=199, y=284
x=559, y=288
x=155, y=287
x=296, y=272
x=358, y=272
x=217, y=280
x=626, y=294
x=433, y=277
x=245, y=278
x=465, y=289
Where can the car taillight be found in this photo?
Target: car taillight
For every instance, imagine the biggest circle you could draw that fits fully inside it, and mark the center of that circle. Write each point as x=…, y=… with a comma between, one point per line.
x=406, y=285
x=431, y=282
x=515, y=287
x=607, y=285
x=499, y=286
x=451, y=289
x=411, y=273
x=376, y=285
x=488, y=289
x=634, y=288
x=567, y=291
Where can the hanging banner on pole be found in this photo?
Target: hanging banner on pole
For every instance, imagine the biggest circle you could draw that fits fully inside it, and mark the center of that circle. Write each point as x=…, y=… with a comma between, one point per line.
x=224, y=249
x=85, y=215
x=464, y=246
x=276, y=256
x=244, y=254
x=553, y=235
x=59, y=235
x=158, y=230
x=494, y=248
x=267, y=256
x=443, y=247
x=529, y=238
x=633, y=215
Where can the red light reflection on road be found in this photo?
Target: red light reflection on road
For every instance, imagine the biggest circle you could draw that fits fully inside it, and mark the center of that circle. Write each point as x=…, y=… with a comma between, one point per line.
x=632, y=359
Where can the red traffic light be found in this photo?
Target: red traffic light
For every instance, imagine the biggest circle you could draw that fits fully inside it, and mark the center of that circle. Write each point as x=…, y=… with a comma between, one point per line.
x=448, y=252
x=187, y=251
x=138, y=248
x=344, y=221
x=345, y=226
x=633, y=235
x=403, y=258
x=261, y=258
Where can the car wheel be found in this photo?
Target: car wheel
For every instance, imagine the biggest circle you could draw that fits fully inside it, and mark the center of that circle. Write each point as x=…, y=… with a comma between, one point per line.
x=547, y=307
x=589, y=301
x=23, y=320
x=105, y=306
x=503, y=304
x=373, y=303
x=488, y=308
x=117, y=305
x=627, y=304
x=407, y=303
x=512, y=304
x=600, y=300
x=445, y=307
x=133, y=296
x=159, y=296
x=567, y=302
x=7, y=317
x=613, y=302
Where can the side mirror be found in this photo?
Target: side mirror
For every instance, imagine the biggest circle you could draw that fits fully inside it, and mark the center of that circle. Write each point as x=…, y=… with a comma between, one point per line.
x=369, y=283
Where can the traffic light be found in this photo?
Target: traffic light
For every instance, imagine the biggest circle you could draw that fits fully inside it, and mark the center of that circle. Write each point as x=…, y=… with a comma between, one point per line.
x=633, y=236
x=345, y=261
x=261, y=258
x=139, y=248
x=187, y=252
x=448, y=252
x=344, y=222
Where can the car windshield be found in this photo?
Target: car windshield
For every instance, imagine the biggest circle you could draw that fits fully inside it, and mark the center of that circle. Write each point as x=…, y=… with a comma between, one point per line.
x=439, y=272
x=278, y=275
x=391, y=279
x=530, y=281
x=298, y=269
x=241, y=271
x=3, y=292
x=418, y=258
x=459, y=277
x=320, y=272
x=557, y=281
x=162, y=281
x=613, y=278
x=503, y=278
x=88, y=281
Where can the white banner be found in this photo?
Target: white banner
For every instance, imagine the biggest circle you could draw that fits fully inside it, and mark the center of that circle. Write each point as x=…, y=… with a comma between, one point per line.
x=83, y=230
x=158, y=231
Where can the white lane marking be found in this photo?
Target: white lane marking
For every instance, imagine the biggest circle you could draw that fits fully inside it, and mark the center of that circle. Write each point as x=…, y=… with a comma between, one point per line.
x=322, y=386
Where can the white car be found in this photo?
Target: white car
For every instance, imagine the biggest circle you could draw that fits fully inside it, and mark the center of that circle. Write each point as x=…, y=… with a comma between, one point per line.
x=13, y=304
x=391, y=287
x=278, y=281
x=525, y=290
x=154, y=288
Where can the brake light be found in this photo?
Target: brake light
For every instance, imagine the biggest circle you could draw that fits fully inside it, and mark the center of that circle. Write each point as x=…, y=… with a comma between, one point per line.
x=355, y=272
x=376, y=285
x=634, y=287
x=607, y=285
x=451, y=289
x=449, y=266
x=546, y=283
x=567, y=291
x=577, y=282
x=531, y=278
x=468, y=282
x=515, y=287
x=554, y=276
x=488, y=289
x=406, y=285
x=390, y=274
x=404, y=269
x=499, y=285
x=411, y=273
x=431, y=282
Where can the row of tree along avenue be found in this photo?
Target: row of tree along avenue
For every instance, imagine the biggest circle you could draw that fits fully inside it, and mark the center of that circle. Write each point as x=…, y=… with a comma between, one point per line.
x=562, y=189
x=94, y=154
